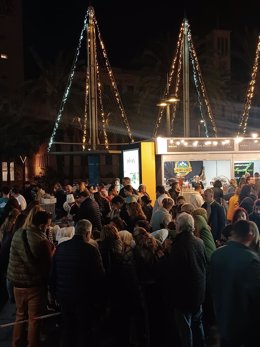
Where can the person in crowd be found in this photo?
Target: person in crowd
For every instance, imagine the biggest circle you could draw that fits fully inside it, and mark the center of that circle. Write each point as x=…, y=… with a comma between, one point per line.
x=28, y=191
x=201, y=212
x=231, y=190
x=174, y=191
x=217, y=190
x=257, y=184
x=202, y=230
x=246, y=198
x=216, y=214
x=116, y=205
x=160, y=195
x=104, y=206
x=19, y=197
x=130, y=192
x=80, y=186
x=184, y=279
x=112, y=192
x=236, y=310
x=70, y=207
x=196, y=198
x=233, y=204
x=162, y=217
x=176, y=209
x=10, y=205
x=142, y=191
x=255, y=215
x=60, y=196
x=255, y=244
x=76, y=281
x=28, y=270
x=135, y=214
x=188, y=208
x=126, y=181
x=4, y=198
x=68, y=189
x=89, y=210
x=147, y=207
x=240, y=213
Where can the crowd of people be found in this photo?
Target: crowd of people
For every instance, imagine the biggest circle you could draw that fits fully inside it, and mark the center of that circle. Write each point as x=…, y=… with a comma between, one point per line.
x=141, y=273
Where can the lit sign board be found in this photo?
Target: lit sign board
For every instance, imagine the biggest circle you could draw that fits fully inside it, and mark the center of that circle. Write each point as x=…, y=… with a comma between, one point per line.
x=199, y=146
x=131, y=166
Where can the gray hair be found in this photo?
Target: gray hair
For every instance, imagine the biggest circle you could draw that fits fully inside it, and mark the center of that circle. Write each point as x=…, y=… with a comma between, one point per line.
x=185, y=222
x=83, y=227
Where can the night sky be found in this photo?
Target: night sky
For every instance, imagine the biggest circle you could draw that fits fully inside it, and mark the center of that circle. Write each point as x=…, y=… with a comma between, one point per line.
x=127, y=27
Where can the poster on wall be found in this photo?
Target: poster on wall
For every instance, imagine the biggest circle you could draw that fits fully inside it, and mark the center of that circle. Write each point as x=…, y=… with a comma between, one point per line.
x=241, y=167
x=182, y=168
x=131, y=166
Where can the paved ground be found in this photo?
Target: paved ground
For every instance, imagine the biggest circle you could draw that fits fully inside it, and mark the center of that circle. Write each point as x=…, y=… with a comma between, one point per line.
x=50, y=336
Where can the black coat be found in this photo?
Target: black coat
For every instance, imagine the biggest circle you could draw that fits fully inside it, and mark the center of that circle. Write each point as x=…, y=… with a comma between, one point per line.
x=77, y=272
x=89, y=209
x=184, y=272
x=217, y=219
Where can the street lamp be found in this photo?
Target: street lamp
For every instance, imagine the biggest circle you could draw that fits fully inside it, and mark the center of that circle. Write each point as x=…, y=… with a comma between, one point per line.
x=167, y=103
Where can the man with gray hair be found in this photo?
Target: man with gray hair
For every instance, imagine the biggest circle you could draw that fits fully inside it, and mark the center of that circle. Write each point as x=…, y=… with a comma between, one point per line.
x=76, y=279
x=185, y=282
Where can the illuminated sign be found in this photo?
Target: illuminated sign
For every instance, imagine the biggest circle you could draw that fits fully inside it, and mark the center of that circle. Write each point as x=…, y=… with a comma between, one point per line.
x=131, y=166
x=182, y=168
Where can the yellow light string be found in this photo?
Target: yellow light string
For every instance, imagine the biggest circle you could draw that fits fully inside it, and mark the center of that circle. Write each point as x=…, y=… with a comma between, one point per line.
x=113, y=83
x=85, y=119
x=178, y=79
x=102, y=108
x=169, y=82
x=203, y=88
x=250, y=92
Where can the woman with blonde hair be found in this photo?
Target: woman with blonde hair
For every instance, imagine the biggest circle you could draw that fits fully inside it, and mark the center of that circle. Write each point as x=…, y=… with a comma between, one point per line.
x=135, y=213
x=255, y=244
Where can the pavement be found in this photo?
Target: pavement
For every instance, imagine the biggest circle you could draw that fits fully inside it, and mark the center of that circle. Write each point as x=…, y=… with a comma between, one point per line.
x=50, y=335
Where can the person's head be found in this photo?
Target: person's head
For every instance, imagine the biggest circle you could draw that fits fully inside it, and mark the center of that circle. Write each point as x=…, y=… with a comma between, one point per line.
x=197, y=187
x=217, y=184
x=180, y=200
x=239, y=214
x=257, y=206
x=134, y=209
x=242, y=232
x=118, y=222
x=227, y=232
x=83, y=195
x=128, y=190
x=68, y=189
x=117, y=202
x=160, y=190
x=14, y=192
x=5, y=191
x=84, y=228
x=31, y=214
x=175, y=186
x=143, y=223
x=145, y=200
x=233, y=182
x=201, y=212
x=167, y=203
x=184, y=222
x=57, y=186
x=112, y=190
x=130, y=199
x=256, y=237
x=109, y=232
x=126, y=237
x=126, y=181
x=245, y=191
x=42, y=220
x=188, y=208
x=209, y=195
x=142, y=188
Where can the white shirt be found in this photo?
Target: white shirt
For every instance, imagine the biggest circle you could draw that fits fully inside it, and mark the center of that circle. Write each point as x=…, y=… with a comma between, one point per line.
x=196, y=200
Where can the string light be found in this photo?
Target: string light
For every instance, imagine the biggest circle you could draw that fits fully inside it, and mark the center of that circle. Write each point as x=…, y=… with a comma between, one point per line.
x=250, y=93
x=67, y=89
x=198, y=80
x=113, y=83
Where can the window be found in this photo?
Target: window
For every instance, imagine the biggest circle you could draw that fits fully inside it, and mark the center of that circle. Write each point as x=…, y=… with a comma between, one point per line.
x=5, y=168
x=4, y=56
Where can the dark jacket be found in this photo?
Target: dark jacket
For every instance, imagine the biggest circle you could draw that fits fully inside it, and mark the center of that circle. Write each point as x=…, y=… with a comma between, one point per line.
x=234, y=276
x=184, y=272
x=255, y=217
x=89, y=209
x=217, y=219
x=77, y=271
